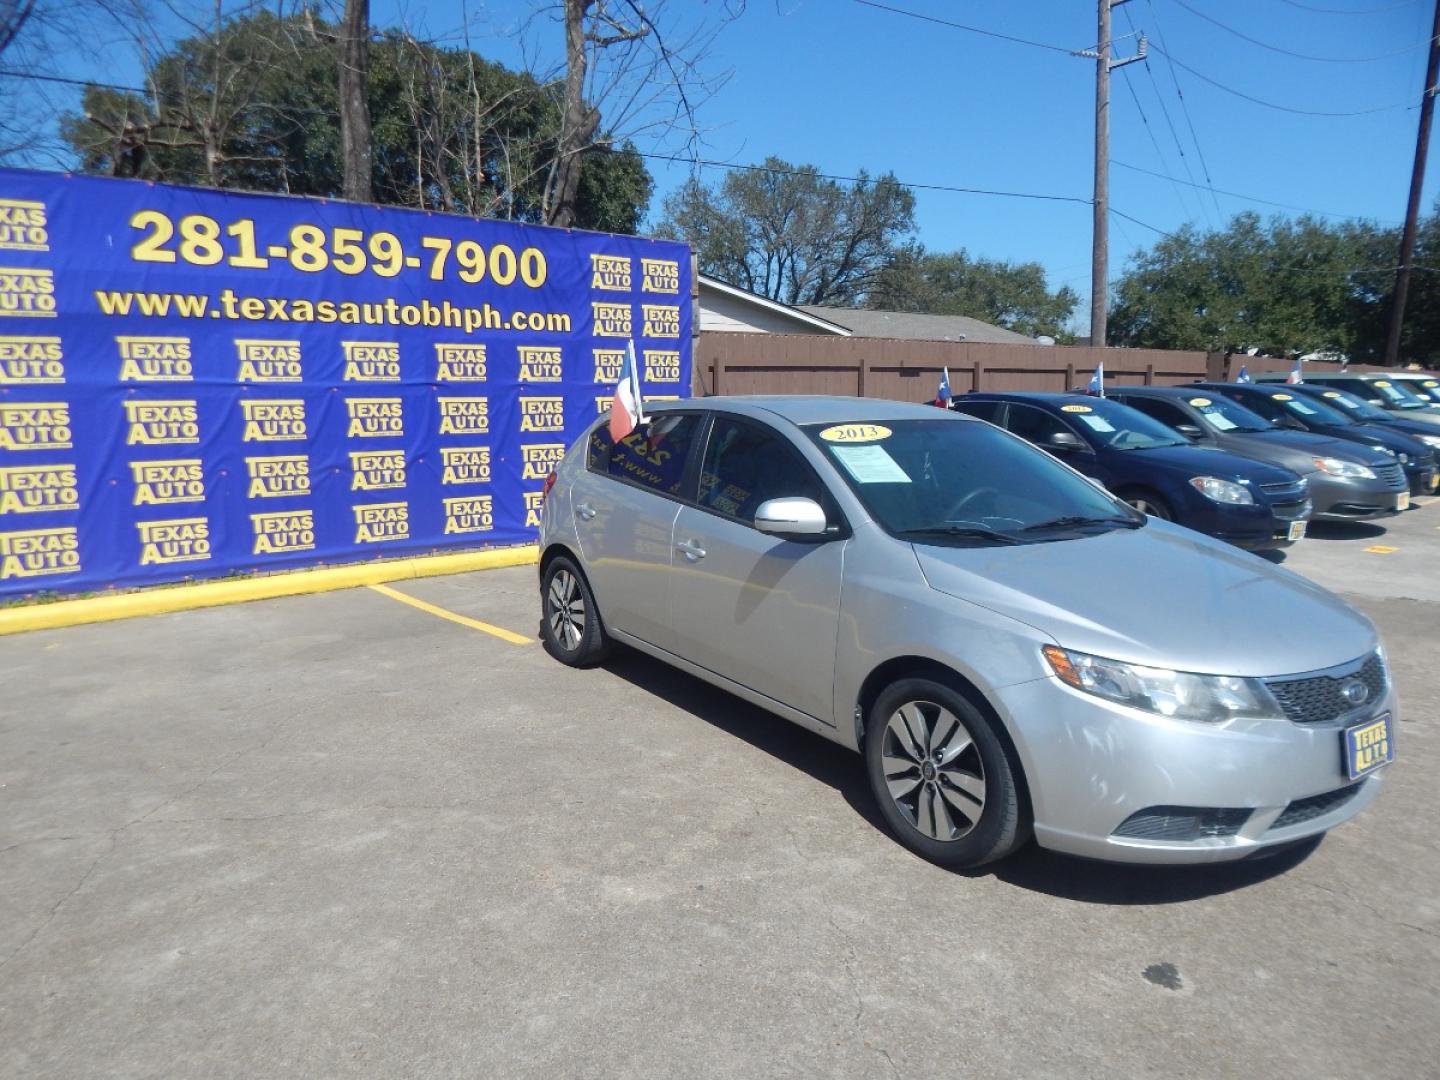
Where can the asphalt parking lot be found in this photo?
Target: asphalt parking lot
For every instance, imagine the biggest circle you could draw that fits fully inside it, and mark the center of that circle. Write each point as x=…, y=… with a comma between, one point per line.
x=343, y=835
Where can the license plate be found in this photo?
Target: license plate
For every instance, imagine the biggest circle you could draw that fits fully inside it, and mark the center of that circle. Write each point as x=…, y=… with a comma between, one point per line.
x=1368, y=746
x=1434, y=481
x=1402, y=501
x=1297, y=531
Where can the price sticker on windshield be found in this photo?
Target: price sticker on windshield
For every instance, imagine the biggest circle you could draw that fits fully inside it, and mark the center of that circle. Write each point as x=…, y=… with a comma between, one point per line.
x=1382, y=383
x=1200, y=402
x=855, y=433
x=1282, y=397
x=1075, y=408
x=1430, y=384
x=1331, y=394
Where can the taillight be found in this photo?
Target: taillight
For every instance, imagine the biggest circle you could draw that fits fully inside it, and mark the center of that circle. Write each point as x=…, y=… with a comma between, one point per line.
x=549, y=483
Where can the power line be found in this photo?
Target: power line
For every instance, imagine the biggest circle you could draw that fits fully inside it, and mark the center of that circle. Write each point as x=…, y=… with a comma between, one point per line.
x=962, y=26
x=739, y=167
x=1273, y=105
x=1184, y=109
x=70, y=82
x=1241, y=195
x=1348, y=11
x=1299, y=55
x=1145, y=120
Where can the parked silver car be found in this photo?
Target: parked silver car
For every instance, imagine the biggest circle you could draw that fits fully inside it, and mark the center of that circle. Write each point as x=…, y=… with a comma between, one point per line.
x=1011, y=648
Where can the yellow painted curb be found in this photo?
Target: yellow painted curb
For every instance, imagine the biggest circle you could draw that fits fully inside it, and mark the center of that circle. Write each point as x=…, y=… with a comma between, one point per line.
x=215, y=593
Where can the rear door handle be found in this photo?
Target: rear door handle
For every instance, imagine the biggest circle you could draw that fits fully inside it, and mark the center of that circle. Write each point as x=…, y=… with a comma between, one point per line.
x=693, y=551
x=584, y=511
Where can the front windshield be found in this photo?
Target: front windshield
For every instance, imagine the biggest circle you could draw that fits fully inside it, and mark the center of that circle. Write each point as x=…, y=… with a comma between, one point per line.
x=950, y=480
x=1355, y=407
x=1222, y=414
x=1426, y=389
x=1313, y=410
x=1119, y=427
x=1399, y=396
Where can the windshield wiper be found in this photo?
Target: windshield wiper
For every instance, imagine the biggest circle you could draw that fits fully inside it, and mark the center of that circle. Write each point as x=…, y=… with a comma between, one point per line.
x=965, y=532
x=1080, y=519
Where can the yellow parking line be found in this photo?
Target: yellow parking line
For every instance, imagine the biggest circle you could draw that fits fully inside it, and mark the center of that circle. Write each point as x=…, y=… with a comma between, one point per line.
x=473, y=624
x=1381, y=549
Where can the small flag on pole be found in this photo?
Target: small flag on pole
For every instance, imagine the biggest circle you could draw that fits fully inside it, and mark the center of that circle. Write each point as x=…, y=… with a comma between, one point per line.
x=1097, y=381
x=1295, y=376
x=1244, y=376
x=627, y=411
x=943, y=396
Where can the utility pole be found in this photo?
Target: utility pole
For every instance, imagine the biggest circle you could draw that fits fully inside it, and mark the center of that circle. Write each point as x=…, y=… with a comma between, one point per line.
x=1100, y=235
x=1417, y=179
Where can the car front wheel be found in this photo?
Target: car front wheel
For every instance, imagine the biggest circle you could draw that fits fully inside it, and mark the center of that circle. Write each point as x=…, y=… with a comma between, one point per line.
x=941, y=776
x=570, y=622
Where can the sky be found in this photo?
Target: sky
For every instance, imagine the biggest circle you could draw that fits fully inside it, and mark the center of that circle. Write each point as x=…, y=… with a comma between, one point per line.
x=845, y=85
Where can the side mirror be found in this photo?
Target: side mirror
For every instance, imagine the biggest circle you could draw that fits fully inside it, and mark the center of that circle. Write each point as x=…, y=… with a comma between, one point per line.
x=1064, y=440
x=1190, y=431
x=791, y=518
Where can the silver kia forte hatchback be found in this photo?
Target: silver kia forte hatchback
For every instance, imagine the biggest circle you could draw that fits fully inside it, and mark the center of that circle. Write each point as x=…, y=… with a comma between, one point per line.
x=1014, y=651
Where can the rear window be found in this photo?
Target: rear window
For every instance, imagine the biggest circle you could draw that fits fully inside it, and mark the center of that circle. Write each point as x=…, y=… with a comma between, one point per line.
x=652, y=457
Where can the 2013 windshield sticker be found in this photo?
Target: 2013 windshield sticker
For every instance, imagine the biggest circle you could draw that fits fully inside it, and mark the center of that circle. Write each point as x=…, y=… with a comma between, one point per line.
x=1199, y=402
x=1076, y=408
x=1282, y=397
x=855, y=433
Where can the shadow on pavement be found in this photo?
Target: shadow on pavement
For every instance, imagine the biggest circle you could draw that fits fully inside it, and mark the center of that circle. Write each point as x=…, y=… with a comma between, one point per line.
x=1343, y=530
x=1032, y=868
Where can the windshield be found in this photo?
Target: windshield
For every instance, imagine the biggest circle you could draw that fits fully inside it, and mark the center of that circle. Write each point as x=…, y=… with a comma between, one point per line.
x=1399, y=396
x=1313, y=410
x=1426, y=389
x=1356, y=407
x=957, y=481
x=1222, y=414
x=1120, y=427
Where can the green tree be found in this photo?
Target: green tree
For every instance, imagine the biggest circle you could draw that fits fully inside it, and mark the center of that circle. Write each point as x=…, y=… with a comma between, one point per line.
x=1012, y=295
x=255, y=106
x=786, y=232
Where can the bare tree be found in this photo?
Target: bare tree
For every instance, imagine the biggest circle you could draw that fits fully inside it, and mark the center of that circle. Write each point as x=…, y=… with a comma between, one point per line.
x=354, y=104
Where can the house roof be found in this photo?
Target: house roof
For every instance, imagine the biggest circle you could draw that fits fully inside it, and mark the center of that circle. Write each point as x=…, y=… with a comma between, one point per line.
x=811, y=318
x=904, y=324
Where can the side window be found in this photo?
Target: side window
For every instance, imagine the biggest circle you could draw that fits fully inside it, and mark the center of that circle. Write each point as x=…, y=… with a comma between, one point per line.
x=651, y=457
x=745, y=465
x=1263, y=404
x=981, y=410
x=1032, y=424
x=1164, y=411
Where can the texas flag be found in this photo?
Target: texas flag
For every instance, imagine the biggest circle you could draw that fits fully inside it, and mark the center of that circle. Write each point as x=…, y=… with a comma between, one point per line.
x=1244, y=376
x=627, y=411
x=1097, y=381
x=1295, y=377
x=943, y=396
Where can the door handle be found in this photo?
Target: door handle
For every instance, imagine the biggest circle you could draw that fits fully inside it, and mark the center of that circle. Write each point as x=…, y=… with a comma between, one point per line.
x=693, y=551
x=584, y=511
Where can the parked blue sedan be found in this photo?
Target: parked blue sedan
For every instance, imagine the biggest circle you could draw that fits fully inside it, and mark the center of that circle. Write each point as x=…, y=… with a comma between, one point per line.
x=1155, y=469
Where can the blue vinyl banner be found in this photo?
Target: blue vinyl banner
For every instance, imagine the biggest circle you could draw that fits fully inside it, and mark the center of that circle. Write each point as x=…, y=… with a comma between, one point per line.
x=196, y=383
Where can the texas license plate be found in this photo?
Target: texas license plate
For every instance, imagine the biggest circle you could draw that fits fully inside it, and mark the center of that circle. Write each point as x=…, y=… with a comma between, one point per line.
x=1368, y=746
x=1297, y=530
x=1402, y=501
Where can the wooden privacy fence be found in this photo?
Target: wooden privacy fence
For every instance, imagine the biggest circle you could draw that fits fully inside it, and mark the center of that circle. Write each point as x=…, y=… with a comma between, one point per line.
x=904, y=370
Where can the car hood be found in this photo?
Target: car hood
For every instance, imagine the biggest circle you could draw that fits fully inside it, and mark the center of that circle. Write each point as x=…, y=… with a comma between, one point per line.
x=1208, y=461
x=1297, y=449
x=1160, y=595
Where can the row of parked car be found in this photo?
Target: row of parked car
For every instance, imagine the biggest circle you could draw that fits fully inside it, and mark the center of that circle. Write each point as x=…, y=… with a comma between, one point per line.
x=1249, y=463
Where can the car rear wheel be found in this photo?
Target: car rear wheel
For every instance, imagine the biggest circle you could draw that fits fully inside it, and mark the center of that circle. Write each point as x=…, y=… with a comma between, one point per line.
x=1148, y=502
x=941, y=776
x=570, y=622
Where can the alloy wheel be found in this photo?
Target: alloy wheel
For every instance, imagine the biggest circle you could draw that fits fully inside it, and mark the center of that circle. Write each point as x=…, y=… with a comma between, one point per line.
x=933, y=770
x=567, y=610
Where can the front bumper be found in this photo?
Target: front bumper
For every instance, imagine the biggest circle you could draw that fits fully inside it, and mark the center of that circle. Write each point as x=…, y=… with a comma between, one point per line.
x=1093, y=765
x=1338, y=499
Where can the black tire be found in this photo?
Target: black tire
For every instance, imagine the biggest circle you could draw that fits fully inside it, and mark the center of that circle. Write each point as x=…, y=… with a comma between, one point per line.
x=570, y=623
x=1150, y=503
x=994, y=828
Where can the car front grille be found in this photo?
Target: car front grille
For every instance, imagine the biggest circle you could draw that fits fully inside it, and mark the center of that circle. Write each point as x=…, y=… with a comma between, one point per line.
x=1285, y=489
x=1183, y=823
x=1303, y=810
x=1392, y=473
x=1317, y=699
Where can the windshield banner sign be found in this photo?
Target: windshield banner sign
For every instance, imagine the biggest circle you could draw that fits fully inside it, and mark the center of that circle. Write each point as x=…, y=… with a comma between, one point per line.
x=199, y=383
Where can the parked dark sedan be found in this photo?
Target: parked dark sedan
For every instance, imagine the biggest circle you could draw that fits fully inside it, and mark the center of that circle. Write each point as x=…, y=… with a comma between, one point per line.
x=1154, y=469
x=1385, y=392
x=1367, y=416
x=1344, y=477
x=1283, y=406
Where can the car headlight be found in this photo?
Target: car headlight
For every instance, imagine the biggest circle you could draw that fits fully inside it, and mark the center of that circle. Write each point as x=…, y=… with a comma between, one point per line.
x=1430, y=440
x=1222, y=491
x=1205, y=699
x=1348, y=469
